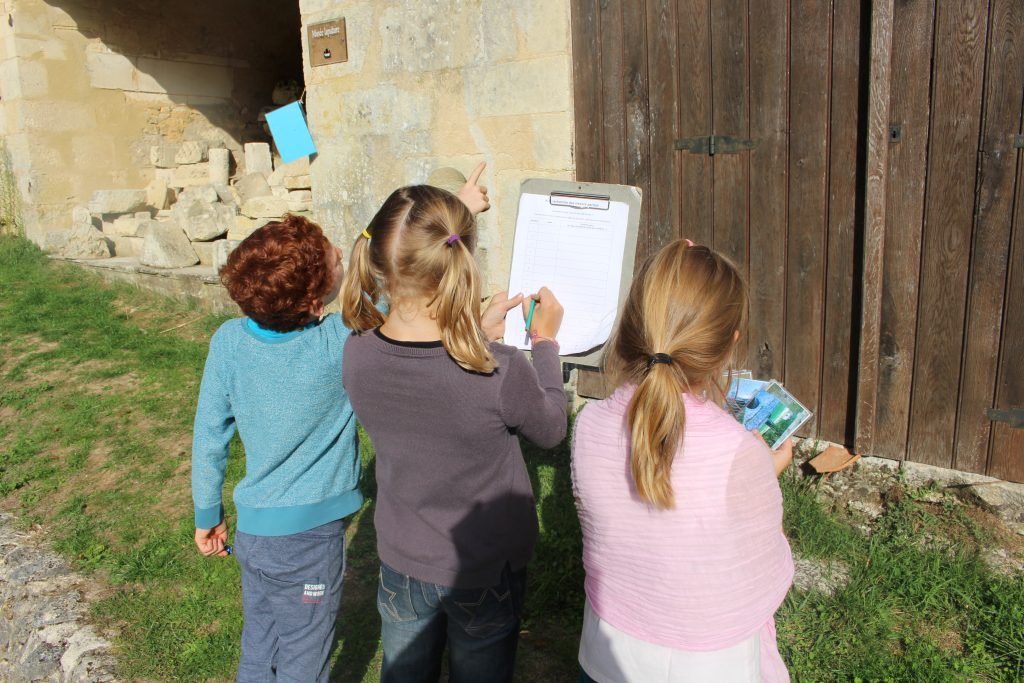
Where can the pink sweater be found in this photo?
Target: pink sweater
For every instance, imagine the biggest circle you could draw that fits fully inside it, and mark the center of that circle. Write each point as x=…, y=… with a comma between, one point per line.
x=703, y=576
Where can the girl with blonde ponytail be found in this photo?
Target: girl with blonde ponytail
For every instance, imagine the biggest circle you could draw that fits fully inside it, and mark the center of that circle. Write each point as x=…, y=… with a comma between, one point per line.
x=443, y=405
x=680, y=507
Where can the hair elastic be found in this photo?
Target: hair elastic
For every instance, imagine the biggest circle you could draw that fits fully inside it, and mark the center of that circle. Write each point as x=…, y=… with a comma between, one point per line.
x=689, y=243
x=659, y=358
x=366, y=233
x=452, y=239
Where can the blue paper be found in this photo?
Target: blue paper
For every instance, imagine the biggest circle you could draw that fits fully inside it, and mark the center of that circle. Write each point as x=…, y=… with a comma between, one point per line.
x=291, y=134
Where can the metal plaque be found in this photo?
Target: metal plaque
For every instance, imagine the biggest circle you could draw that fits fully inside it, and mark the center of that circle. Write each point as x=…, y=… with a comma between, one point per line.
x=328, y=43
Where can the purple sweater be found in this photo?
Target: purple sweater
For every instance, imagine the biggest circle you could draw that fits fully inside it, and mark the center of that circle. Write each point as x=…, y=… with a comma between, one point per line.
x=454, y=501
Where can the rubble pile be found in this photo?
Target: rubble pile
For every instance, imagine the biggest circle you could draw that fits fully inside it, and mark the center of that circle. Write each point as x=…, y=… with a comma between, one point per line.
x=192, y=213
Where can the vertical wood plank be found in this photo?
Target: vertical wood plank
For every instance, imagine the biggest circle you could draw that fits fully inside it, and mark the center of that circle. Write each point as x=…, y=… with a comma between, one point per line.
x=636, y=101
x=990, y=251
x=960, y=35
x=769, y=175
x=729, y=117
x=1006, y=458
x=586, y=70
x=910, y=111
x=663, y=84
x=810, y=41
x=694, y=176
x=879, y=75
x=834, y=421
x=613, y=134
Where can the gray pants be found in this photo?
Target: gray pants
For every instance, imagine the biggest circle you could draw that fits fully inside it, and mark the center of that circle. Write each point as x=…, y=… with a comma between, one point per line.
x=291, y=592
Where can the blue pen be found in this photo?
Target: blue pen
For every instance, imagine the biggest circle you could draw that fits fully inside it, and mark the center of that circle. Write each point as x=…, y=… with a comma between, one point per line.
x=529, y=319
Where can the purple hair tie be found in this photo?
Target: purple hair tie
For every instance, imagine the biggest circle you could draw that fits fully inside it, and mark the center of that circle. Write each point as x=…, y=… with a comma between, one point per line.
x=452, y=239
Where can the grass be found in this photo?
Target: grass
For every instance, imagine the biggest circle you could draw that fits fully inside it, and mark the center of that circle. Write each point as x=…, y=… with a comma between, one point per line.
x=97, y=393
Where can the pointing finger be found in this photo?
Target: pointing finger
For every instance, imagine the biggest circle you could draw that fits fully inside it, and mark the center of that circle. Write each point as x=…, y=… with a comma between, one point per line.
x=475, y=175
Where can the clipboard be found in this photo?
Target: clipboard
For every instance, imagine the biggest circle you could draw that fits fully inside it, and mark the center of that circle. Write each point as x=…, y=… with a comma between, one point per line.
x=569, y=200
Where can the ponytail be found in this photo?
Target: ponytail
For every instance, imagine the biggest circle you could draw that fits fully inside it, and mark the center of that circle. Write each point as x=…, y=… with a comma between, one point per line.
x=360, y=291
x=675, y=336
x=458, y=310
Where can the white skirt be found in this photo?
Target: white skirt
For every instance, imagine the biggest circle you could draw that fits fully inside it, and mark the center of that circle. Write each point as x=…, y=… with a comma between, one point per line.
x=610, y=656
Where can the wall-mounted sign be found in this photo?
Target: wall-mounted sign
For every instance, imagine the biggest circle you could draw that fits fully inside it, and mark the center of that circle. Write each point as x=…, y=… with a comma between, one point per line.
x=328, y=43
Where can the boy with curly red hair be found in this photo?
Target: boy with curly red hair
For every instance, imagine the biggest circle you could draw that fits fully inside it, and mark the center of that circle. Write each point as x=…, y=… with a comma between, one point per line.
x=275, y=376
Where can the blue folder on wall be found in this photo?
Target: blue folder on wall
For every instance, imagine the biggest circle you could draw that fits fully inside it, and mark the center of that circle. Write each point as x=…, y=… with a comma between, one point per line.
x=291, y=134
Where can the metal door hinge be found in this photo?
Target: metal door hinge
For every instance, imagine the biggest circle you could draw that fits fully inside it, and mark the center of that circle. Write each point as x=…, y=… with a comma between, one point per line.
x=1013, y=417
x=715, y=144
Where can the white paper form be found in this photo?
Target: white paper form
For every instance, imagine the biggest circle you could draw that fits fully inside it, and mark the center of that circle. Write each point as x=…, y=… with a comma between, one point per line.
x=575, y=249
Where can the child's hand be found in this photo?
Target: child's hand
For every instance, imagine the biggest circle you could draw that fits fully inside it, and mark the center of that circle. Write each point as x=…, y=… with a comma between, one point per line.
x=781, y=457
x=493, y=319
x=547, y=314
x=472, y=195
x=211, y=541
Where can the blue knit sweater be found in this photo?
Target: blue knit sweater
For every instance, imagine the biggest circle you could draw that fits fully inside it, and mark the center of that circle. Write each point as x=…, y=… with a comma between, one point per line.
x=283, y=392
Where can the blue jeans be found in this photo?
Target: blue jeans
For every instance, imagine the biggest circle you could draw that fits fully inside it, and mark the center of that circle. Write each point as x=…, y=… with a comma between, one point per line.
x=291, y=592
x=479, y=625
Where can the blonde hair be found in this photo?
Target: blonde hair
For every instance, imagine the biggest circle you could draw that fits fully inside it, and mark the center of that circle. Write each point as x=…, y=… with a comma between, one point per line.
x=421, y=245
x=687, y=302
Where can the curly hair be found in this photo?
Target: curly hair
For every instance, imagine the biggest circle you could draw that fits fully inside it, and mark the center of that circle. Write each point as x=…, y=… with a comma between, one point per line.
x=280, y=273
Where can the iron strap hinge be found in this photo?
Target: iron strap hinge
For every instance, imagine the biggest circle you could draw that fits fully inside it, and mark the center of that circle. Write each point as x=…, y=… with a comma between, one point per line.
x=715, y=144
x=1012, y=416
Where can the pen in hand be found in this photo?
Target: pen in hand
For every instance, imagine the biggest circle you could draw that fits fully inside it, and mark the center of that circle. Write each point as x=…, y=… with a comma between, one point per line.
x=529, y=319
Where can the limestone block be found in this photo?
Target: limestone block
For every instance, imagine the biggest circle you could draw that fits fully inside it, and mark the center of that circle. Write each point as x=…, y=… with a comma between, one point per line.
x=163, y=214
x=202, y=220
x=300, y=200
x=128, y=245
x=251, y=186
x=164, y=154
x=257, y=158
x=54, y=241
x=221, y=250
x=110, y=71
x=206, y=193
x=205, y=251
x=145, y=226
x=53, y=116
x=124, y=226
x=166, y=246
x=184, y=78
x=158, y=194
x=220, y=165
x=117, y=201
x=144, y=215
x=281, y=192
x=227, y=194
x=299, y=167
x=165, y=175
x=191, y=175
x=245, y=226
x=265, y=207
x=549, y=79
x=298, y=182
x=85, y=242
x=276, y=179
x=191, y=152
x=80, y=214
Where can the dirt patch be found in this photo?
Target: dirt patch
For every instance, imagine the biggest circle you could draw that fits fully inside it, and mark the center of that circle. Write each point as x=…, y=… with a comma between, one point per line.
x=153, y=316
x=947, y=514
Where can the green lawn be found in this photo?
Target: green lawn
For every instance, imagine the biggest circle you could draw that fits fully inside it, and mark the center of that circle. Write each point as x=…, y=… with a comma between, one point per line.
x=97, y=390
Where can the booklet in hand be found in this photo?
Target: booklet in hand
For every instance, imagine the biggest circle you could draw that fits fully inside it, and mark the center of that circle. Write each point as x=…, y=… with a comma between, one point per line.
x=765, y=407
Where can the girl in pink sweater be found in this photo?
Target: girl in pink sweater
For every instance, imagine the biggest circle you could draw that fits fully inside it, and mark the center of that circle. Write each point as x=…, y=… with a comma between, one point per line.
x=680, y=507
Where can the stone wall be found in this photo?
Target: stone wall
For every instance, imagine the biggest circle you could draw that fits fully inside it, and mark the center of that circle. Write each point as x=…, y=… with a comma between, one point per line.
x=89, y=87
x=431, y=84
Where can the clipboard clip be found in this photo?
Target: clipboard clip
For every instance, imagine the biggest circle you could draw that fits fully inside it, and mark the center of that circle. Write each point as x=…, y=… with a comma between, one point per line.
x=579, y=200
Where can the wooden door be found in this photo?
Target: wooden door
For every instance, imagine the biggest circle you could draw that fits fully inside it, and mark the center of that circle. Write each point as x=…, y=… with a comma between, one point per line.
x=653, y=79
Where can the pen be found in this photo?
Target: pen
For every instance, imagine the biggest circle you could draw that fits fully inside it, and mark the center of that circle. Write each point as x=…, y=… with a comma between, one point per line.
x=529, y=319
